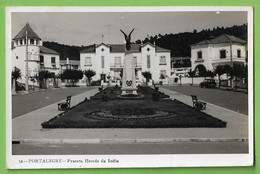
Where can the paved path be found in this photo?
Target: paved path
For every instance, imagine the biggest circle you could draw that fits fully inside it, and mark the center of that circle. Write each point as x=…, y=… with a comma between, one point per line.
x=27, y=128
x=26, y=103
x=235, y=101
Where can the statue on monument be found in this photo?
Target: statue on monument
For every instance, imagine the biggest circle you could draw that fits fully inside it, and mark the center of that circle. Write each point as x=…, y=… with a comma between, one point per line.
x=129, y=79
x=127, y=39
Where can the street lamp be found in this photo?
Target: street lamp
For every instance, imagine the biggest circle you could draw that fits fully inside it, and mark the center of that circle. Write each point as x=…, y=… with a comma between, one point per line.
x=26, y=62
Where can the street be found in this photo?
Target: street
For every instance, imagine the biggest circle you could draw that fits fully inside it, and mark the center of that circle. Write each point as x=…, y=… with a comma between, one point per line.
x=235, y=101
x=137, y=148
x=22, y=104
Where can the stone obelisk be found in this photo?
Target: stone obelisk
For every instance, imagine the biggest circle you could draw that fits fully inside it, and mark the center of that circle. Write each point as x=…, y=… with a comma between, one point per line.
x=128, y=81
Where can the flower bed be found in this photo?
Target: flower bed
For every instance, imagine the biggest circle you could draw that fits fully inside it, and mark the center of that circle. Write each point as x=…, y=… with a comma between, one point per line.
x=146, y=113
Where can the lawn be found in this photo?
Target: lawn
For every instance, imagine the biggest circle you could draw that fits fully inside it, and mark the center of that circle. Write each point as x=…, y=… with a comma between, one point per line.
x=145, y=113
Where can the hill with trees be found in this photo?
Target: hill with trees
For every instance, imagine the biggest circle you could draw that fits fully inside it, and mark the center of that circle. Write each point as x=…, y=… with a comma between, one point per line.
x=179, y=43
x=66, y=51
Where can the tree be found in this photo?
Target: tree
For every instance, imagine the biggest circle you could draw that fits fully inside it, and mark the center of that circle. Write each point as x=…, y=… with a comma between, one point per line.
x=43, y=76
x=89, y=74
x=239, y=70
x=16, y=74
x=219, y=71
x=228, y=70
x=162, y=77
x=207, y=73
x=72, y=75
x=147, y=75
x=192, y=74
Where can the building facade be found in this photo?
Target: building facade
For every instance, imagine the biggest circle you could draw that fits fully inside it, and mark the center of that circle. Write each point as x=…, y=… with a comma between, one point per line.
x=222, y=50
x=107, y=60
x=27, y=45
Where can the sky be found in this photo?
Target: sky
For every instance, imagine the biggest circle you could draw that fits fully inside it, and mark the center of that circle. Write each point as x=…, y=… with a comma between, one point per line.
x=86, y=28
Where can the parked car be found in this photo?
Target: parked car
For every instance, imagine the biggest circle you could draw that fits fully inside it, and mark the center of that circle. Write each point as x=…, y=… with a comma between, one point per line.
x=208, y=83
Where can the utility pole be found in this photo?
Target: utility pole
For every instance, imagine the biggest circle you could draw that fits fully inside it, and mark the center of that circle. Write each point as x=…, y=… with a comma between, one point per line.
x=102, y=38
x=26, y=62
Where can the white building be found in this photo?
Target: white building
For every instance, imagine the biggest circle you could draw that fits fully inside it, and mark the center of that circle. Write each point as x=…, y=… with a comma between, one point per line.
x=108, y=60
x=222, y=50
x=28, y=44
x=49, y=60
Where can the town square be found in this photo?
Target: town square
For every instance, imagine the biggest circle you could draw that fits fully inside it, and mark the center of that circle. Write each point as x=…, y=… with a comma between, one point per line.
x=126, y=83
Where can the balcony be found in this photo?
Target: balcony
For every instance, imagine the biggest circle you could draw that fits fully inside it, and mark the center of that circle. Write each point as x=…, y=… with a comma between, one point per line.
x=218, y=60
x=49, y=68
x=118, y=66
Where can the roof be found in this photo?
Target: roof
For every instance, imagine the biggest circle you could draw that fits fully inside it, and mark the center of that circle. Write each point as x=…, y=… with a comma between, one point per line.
x=224, y=38
x=30, y=33
x=47, y=50
x=120, y=48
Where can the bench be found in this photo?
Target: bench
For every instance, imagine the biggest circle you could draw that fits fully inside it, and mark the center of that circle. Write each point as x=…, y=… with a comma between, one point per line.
x=100, y=88
x=198, y=104
x=64, y=105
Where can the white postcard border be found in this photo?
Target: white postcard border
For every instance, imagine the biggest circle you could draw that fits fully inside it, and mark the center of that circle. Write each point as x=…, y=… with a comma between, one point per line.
x=168, y=160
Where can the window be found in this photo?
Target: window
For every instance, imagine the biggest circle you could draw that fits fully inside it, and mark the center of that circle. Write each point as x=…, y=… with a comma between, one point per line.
x=36, y=42
x=222, y=54
x=239, y=53
x=135, y=61
x=24, y=41
x=102, y=62
x=41, y=59
x=148, y=61
x=88, y=61
x=31, y=41
x=117, y=61
x=21, y=42
x=162, y=60
x=53, y=61
x=199, y=54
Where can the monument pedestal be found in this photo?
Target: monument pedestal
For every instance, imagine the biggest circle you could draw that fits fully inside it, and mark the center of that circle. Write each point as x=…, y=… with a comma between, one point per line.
x=128, y=81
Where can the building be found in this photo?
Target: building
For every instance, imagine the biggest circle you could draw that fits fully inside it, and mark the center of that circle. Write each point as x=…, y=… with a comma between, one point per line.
x=49, y=60
x=180, y=66
x=107, y=60
x=222, y=50
x=69, y=64
x=28, y=45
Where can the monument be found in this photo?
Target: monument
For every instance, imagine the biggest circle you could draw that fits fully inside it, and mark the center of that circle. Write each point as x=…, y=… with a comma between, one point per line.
x=128, y=81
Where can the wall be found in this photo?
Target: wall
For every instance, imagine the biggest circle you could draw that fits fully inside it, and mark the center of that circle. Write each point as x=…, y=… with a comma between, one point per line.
x=205, y=56
x=48, y=64
x=187, y=80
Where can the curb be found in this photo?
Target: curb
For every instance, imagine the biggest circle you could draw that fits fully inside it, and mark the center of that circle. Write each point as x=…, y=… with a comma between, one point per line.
x=124, y=141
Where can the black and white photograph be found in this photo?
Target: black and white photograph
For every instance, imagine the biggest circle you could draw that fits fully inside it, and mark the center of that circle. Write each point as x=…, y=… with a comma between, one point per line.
x=94, y=87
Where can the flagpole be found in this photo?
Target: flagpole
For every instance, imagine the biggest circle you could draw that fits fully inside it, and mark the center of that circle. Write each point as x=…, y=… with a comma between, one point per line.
x=26, y=62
